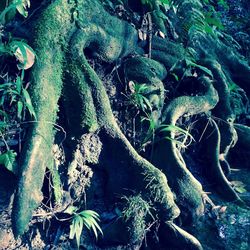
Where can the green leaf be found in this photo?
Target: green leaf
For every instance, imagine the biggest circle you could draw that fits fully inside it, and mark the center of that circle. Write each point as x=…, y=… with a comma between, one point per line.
x=193, y=64
x=86, y=218
x=239, y=186
x=89, y=212
x=19, y=84
x=19, y=109
x=28, y=103
x=6, y=85
x=175, y=76
x=7, y=159
x=147, y=102
x=24, y=54
x=173, y=140
x=78, y=230
x=22, y=6
x=174, y=128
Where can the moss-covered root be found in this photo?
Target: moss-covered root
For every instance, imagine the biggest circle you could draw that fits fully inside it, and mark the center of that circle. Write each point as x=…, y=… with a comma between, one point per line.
x=125, y=168
x=216, y=173
x=149, y=72
x=171, y=234
x=51, y=35
x=167, y=156
x=46, y=84
x=166, y=52
x=140, y=216
x=223, y=111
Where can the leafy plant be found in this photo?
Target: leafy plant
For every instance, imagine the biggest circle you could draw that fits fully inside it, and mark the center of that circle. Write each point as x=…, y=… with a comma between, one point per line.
x=88, y=218
x=222, y=3
x=14, y=97
x=15, y=92
x=151, y=128
x=16, y=5
x=156, y=131
x=138, y=96
x=187, y=67
x=21, y=50
x=239, y=186
x=176, y=130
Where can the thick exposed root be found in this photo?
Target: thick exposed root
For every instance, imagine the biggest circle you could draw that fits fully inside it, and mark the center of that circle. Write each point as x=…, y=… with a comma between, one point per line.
x=216, y=173
x=131, y=170
x=167, y=156
x=179, y=238
x=47, y=85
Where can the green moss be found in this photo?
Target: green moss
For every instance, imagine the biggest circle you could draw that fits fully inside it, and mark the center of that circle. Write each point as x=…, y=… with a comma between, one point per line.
x=144, y=69
x=46, y=90
x=138, y=214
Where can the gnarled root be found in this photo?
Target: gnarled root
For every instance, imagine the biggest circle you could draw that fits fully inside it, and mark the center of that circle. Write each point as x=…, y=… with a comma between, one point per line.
x=167, y=156
x=216, y=174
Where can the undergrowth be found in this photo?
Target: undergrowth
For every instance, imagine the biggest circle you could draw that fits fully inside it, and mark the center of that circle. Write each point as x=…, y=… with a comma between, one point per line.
x=15, y=100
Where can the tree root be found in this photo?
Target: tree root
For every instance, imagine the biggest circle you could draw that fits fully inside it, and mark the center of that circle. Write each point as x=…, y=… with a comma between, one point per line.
x=45, y=93
x=216, y=173
x=177, y=237
x=167, y=156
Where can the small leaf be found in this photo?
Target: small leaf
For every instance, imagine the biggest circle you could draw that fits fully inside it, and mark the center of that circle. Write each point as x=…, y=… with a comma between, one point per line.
x=174, y=128
x=19, y=84
x=175, y=76
x=86, y=218
x=240, y=190
x=78, y=230
x=223, y=209
x=7, y=159
x=19, y=109
x=28, y=103
x=131, y=86
x=193, y=64
x=24, y=54
x=161, y=34
x=239, y=186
